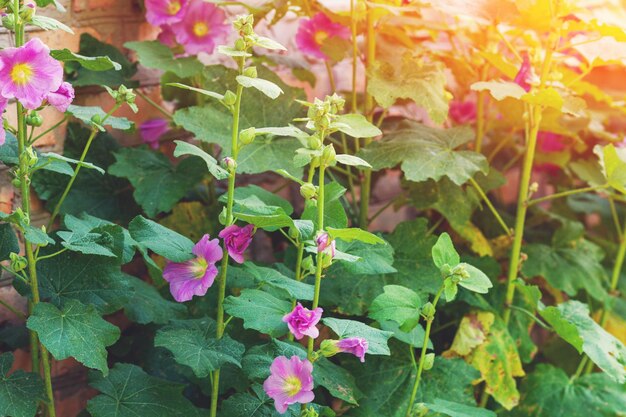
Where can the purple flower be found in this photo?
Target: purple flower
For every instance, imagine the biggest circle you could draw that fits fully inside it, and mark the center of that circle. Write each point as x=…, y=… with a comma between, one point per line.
x=325, y=244
x=62, y=98
x=167, y=36
x=29, y=73
x=314, y=32
x=302, y=321
x=152, y=130
x=195, y=276
x=524, y=75
x=165, y=12
x=237, y=239
x=202, y=27
x=355, y=345
x=290, y=382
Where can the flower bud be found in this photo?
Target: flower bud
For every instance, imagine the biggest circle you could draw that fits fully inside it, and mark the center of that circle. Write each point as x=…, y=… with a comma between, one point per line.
x=222, y=217
x=28, y=11
x=229, y=164
x=428, y=311
x=314, y=142
x=460, y=272
x=32, y=156
x=16, y=183
x=8, y=21
x=329, y=156
x=329, y=348
x=18, y=263
x=308, y=191
x=229, y=98
x=96, y=119
x=429, y=361
x=308, y=265
x=34, y=119
x=250, y=72
x=247, y=136
x=309, y=412
x=240, y=45
x=294, y=233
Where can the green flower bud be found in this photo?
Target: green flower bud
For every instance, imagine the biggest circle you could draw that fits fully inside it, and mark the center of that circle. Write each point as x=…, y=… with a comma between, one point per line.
x=222, y=217
x=308, y=191
x=230, y=98
x=96, y=119
x=429, y=361
x=16, y=183
x=460, y=272
x=294, y=233
x=329, y=156
x=309, y=412
x=240, y=45
x=308, y=265
x=34, y=119
x=32, y=156
x=229, y=164
x=428, y=311
x=314, y=142
x=28, y=11
x=8, y=21
x=250, y=72
x=247, y=136
x=329, y=348
x=18, y=263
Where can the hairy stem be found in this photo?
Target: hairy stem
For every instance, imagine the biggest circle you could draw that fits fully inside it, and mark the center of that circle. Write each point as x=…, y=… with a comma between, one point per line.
x=485, y=198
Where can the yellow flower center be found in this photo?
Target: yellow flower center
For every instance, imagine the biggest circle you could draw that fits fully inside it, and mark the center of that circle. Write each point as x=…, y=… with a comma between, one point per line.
x=320, y=37
x=200, y=29
x=173, y=7
x=199, y=268
x=21, y=73
x=292, y=386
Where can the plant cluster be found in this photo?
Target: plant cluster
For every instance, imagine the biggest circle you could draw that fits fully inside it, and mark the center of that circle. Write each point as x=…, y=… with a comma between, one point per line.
x=238, y=302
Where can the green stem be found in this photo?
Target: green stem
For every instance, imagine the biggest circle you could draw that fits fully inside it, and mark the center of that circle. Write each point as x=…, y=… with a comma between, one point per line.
x=420, y=368
x=581, y=366
x=153, y=103
x=319, y=266
x=485, y=198
x=52, y=255
x=229, y=221
x=298, y=278
x=480, y=120
x=12, y=309
x=566, y=193
x=68, y=187
x=45, y=132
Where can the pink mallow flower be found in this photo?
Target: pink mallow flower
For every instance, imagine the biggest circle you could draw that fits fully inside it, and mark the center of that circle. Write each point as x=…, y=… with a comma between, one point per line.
x=152, y=130
x=62, y=98
x=164, y=12
x=524, y=75
x=463, y=112
x=302, y=321
x=202, y=28
x=290, y=382
x=354, y=345
x=29, y=73
x=167, y=36
x=195, y=276
x=314, y=32
x=237, y=240
x=325, y=244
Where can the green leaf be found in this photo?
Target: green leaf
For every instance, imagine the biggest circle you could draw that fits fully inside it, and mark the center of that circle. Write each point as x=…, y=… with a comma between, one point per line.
x=549, y=392
x=20, y=392
x=95, y=63
x=158, y=184
x=207, y=93
x=98, y=242
x=153, y=54
x=129, y=392
x=266, y=87
x=355, y=233
x=352, y=160
x=9, y=155
x=408, y=77
x=427, y=153
x=398, y=304
x=85, y=278
x=267, y=276
x=267, y=197
x=376, y=339
x=48, y=23
x=161, y=240
x=146, y=305
x=51, y=155
x=572, y=322
x=444, y=253
x=75, y=331
x=259, y=311
x=453, y=409
x=193, y=343
x=355, y=125
x=477, y=280
x=268, y=43
x=85, y=114
x=613, y=166
x=184, y=148
x=253, y=210
x=8, y=241
x=86, y=224
x=414, y=338
x=568, y=266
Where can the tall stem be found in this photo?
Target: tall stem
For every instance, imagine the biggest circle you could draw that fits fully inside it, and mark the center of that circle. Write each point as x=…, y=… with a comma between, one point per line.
x=366, y=185
x=229, y=221
x=420, y=368
x=320, y=255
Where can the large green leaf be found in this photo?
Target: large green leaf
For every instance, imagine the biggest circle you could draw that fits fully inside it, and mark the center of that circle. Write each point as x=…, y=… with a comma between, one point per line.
x=91, y=47
x=9, y=155
x=453, y=409
x=193, y=343
x=86, y=113
x=8, y=241
x=92, y=63
x=89, y=279
x=161, y=240
x=20, y=392
x=129, y=392
x=264, y=276
x=398, y=304
x=148, y=306
x=427, y=153
x=153, y=54
x=75, y=331
x=334, y=213
x=376, y=339
x=411, y=78
x=158, y=184
x=549, y=392
x=260, y=311
x=572, y=322
x=106, y=240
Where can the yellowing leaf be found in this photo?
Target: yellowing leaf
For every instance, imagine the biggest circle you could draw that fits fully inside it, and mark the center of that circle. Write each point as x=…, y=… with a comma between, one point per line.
x=547, y=97
x=500, y=89
x=478, y=242
x=472, y=333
